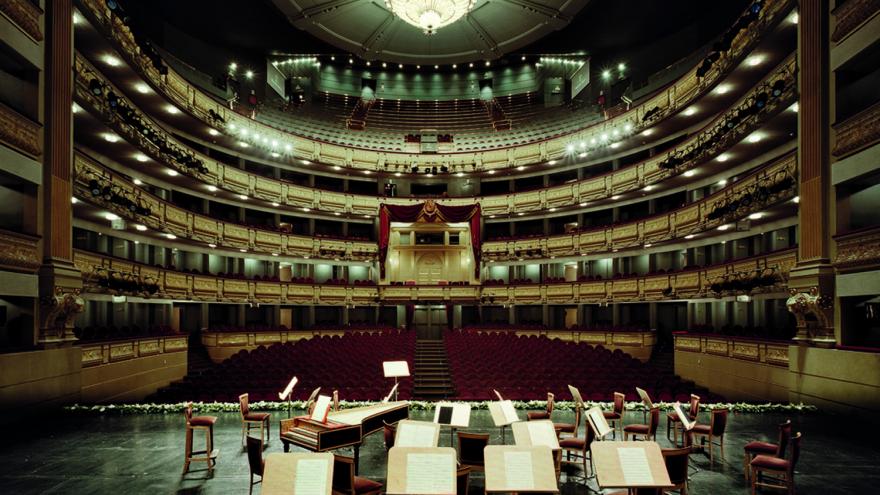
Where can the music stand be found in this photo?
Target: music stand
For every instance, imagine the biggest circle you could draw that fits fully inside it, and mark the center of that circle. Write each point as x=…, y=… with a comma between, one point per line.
x=395, y=369
x=454, y=415
x=503, y=415
x=598, y=422
x=286, y=394
x=646, y=400
x=390, y=394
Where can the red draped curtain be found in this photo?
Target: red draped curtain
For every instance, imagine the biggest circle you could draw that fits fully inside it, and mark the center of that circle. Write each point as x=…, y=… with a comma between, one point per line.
x=429, y=212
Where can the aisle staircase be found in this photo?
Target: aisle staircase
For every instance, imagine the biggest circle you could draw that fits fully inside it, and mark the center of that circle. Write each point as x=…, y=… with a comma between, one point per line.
x=431, y=378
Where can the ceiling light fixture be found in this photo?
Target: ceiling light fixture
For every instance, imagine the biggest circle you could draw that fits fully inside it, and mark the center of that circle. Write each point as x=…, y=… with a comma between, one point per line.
x=430, y=15
x=142, y=88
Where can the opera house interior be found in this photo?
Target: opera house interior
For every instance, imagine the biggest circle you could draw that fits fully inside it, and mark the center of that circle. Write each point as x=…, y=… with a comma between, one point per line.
x=440, y=246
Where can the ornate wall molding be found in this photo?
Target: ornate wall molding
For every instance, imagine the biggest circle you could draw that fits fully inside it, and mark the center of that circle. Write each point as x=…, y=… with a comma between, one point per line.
x=760, y=351
x=20, y=132
x=857, y=132
x=858, y=249
x=26, y=15
x=850, y=14
x=19, y=252
x=98, y=353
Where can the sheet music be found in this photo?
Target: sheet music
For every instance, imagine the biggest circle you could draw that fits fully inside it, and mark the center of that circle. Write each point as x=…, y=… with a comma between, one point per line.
x=461, y=414
x=415, y=435
x=430, y=473
x=645, y=397
x=322, y=407
x=509, y=411
x=599, y=422
x=576, y=395
x=542, y=433
x=688, y=424
x=311, y=477
x=634, y=464
x=518, y=470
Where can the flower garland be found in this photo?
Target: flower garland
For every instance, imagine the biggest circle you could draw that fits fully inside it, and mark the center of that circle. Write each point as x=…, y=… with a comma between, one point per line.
x=216, y=407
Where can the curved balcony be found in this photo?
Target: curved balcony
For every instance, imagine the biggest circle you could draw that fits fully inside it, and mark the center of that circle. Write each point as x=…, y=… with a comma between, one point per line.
x=169, y=219
x=719, y=135
x=215, y=114
x=171, y=284
x=678, y=224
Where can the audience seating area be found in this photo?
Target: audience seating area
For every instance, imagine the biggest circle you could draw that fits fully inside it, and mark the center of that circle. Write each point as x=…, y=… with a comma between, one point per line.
x=526, y=368
x=351, y=364
x=468, y=122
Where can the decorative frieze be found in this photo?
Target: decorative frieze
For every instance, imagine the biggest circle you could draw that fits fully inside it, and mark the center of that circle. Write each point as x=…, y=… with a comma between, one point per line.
x=858, y=249
x=857, y=132
x=20, y=132
x=26, y=15
x=850, y=14
x=19, y=252
x=95, y=354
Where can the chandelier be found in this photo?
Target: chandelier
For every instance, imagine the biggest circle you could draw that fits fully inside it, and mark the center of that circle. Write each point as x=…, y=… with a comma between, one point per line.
x=430, y=15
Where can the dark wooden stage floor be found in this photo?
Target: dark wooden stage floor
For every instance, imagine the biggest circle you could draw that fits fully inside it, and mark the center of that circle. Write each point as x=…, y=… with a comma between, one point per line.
x=144, y=454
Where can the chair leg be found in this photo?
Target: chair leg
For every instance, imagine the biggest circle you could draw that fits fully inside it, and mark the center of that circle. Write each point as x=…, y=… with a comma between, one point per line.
x=268, y=430
x=243, y=425
x=209, y=448
x=746, y=466
x=251, y=487
x=188, y=449
x=754, y=476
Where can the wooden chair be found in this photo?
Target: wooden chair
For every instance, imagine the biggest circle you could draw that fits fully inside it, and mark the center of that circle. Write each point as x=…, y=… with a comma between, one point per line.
x=545, y=414
x=677, y=467
x=780, y=472
x=646, y=432
x=615, y=416
x=470, y=450
x=570, y=428
x=255, y=460
x=462, y=479
x=346, y=483
x=714, y=430
x=756, y=448
x=388, y=432
x=673, y=423
x=252, y=419
x=579, y=448
x=205, y=423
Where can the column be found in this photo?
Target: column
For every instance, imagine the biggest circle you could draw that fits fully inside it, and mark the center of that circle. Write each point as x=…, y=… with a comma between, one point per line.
x=812, y=281
x=60, y=281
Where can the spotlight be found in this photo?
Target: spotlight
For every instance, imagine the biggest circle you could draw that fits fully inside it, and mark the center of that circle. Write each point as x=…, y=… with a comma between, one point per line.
x=96, y=87
x=777, y=88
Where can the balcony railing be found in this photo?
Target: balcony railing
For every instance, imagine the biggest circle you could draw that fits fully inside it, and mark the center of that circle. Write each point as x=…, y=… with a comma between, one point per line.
x=857, y=132
x=26, y=15
x=633, y=177
x=756, y=350
x=690, y=219
x=200, y=104
x=196, y=287
x=20, y=132
x=169, y=219
x=19, y=252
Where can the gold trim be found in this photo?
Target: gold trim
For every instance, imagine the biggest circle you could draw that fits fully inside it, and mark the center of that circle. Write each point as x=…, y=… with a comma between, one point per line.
x=857, y=132
x=850, y=14
x=24, y=14
x=20, y=132
x=19, y=252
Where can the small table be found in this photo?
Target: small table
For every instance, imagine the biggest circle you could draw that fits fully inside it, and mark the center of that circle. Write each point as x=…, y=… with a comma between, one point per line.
x=435, y=468
x=280, y=472
x=629, y=465
x=513, y=468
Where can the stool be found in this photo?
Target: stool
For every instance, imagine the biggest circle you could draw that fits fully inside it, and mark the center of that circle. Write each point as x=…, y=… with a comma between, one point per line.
x=206, y=423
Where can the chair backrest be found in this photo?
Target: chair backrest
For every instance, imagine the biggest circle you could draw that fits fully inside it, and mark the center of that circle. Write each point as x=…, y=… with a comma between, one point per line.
x=795, y=449
x=255, y=454
x=655, y=421
x=677, y=464
x=550, y=401
x=619, y=402
x=784, y=436
x=577, y=419
x=243, y=405
x=343, y=474
x=462, y=477
x=389, y=431
x=719, y=422
x=188, y=412
x=470, y=447
x=695, y=406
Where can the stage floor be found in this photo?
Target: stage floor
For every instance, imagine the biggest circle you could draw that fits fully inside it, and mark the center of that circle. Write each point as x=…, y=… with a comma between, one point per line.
x=144, y=454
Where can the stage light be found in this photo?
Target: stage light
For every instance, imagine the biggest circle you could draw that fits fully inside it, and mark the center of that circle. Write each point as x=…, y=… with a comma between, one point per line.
x=249, y=74
x=111, y=61
x=436, y=66
x=569, y=148
x=110, y=137
x=233, y=66
x=487, y=63
x=141, y=157
x=615, y=197
x=689, y=173
x=723, y=227
x=723, y=157
x=689, y=236
x=647, y=132
x=606, y=74
x=756, y=216
x=648, y=188
x=551, y=162
x=722, y=182
x=689, y=111
x=583, y=205
x=111, y=216
x=213, y=132
x=171, y=172
x=491, y=172
x=621, y=67
x=140, y=227
x=275, y=204
x=755, y=137
x=384, y=65
x=754, y=60
x=471, y=65
x=723, y=89
x=172, y=109
x=520, y=168
x=212, y=188
x=243, y=197
x=212, y=245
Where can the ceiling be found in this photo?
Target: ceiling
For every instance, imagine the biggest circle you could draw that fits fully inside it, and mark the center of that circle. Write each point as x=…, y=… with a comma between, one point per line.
x=645, y=34
x=370, y=30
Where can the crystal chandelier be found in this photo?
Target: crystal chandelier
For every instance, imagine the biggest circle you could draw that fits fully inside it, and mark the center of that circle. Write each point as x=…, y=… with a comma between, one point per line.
x=430, y=15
